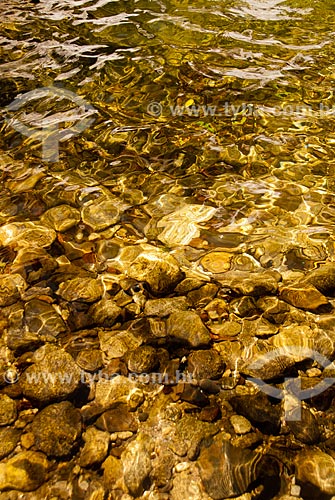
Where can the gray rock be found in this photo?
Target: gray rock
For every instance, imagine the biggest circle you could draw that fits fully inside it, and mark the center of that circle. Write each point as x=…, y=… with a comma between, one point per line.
x=9, y=438
x=186, y=327
x=56, y=376
x=261, y=413
x=26, y=471
x=56, y=429
x=8, y=410
x=96, y=447
x=164, y=307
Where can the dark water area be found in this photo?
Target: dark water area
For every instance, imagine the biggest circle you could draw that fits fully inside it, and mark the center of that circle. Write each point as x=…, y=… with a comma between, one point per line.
x=167, y=210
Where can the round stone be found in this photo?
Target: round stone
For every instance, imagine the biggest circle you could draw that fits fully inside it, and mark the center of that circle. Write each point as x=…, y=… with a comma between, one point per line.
x=216, y=262
x=56, y=376
x=56, y=429
x=240, y=424
x=143, y=359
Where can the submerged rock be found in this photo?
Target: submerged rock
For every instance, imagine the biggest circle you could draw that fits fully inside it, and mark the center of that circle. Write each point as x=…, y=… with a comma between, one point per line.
x=254, y=284
x=304, y=297
x=10, y=287
x=205, y=364
x=9, y=438
x=56, y=429
x=322, y=278
x=227, y=471
x=8, y=410
x=54, y=377
x=100, y=214
x=26, y=234
x=42, y=318
x=314, y=471
x=186, y=327
x=164, y=307
x=96, y=447
x=117, y=419
x=26, y=471
x=137, y=465
x=143, y=359
x=81, y=289
x=157, y=268
x=61, y=218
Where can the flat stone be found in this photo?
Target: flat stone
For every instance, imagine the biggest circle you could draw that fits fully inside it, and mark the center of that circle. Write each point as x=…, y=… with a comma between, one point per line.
x=61, y=218
x=8, y=410
x=81, y=289
x=56, y=429
x=305, y=297
x=26, y=234
x=186, y=327
x=164, y=307
x=217, y=262
x=96, y=447
x=117, y=419
x=254, y=284
x=26, y=471
x=56, y=376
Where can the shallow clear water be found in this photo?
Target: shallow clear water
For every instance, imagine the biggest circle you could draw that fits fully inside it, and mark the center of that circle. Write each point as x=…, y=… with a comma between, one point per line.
x=227, y=104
